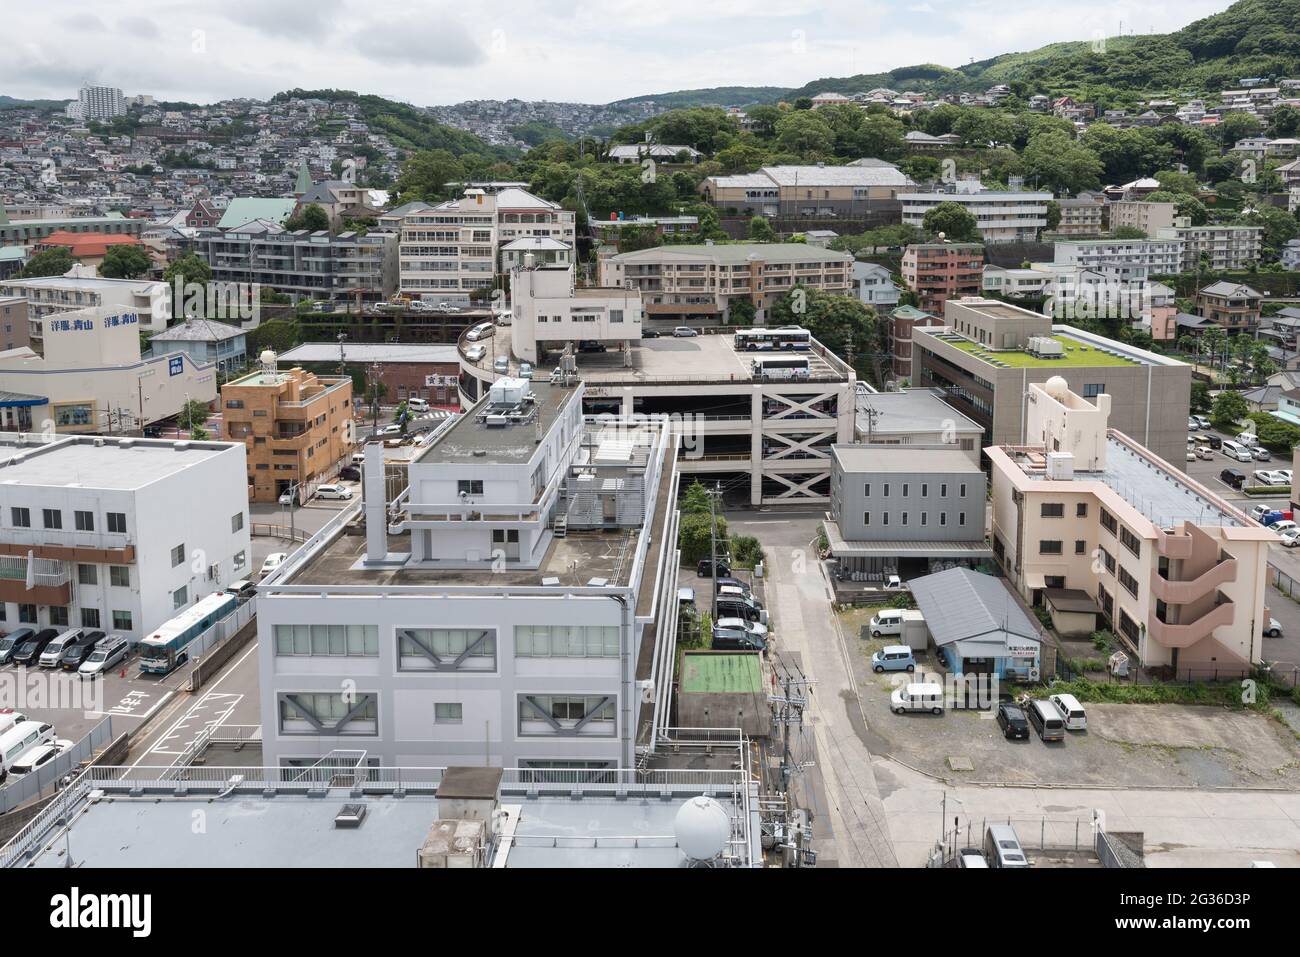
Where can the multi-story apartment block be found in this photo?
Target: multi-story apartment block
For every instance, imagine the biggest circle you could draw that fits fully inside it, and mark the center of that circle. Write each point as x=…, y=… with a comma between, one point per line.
x=122, y=533
x=295, y=425
x=1084, y=514
x=1232, y=305
x=14, y=328
x=902, y=320
x=495, y=611
x=27, y=232
x=987, y=353
x=100, y=102
x=301, y=264
x=937, y=272
x=868, y=193
x=682, y=283
x=1137, y=214
x=1123, y=260
x=452, y=249
x=1001, y=216
x=1082, y=215
x=149, y=300
x=1223, y=247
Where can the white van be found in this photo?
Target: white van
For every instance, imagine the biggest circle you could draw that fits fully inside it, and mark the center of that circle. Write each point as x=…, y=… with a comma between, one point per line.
x=1248, y=439
x=1002, y=847
x=917, y=697
x=358, y=458
x=9, y=717
x=54, y=650
x=18, y=739
x=1071, y=711
x=887, y=621
x=1237, y=452
x=417, y=405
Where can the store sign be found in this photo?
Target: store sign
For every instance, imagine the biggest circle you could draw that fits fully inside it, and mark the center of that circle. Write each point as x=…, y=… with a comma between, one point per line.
x=1021, y=649
x=176, y=365
x=434, y=381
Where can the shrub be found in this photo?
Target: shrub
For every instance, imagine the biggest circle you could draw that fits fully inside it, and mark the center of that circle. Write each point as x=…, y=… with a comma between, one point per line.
x=745, y=551
x=1103, y=641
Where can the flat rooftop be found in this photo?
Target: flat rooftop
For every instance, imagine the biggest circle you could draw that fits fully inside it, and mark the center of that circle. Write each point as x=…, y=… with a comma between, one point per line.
x=710, y=358
x=471, y=440
x=909, y=412
x=902, y=458
x=118, y=464
x=1078, y=353
x=713, y=672
x=367, y=352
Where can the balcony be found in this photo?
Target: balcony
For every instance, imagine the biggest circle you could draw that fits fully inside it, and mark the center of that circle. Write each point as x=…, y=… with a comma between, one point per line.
x=1186, y=592
x=1184, y=635
x=1173, y=545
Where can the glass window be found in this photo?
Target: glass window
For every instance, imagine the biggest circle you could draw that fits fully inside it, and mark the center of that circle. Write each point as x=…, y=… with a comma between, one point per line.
x=85, y=521
x=22, y=517
x=90, y=618
x=237, y=522
x=59, y=616
x=119, y=576
x=180, y=596
x=448, y=712
x=350, y=641
x=414, y=646
x=52, y=517
x=121, y=621
x=178, y=554
x=566, y=641
x=87, y=575
x=116, y=522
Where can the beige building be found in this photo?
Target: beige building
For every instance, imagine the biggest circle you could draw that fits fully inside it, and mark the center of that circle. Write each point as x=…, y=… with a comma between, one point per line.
x=1081, y=215
x=681, y=283
x=1088, y=521
x=296, y=426
x=1225, y=247
x=1148, y=217
x=850, y=192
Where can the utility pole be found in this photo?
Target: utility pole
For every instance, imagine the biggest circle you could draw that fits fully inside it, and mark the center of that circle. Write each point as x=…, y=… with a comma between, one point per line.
x=714, y=495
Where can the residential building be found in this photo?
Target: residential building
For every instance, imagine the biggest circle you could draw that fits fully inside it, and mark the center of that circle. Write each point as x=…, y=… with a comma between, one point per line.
x=1122, y=260
x=91, y=376
x=1081, y=215
x=1224, y=248
x=987, y=353
x=937, y=272
x=1177, y=572
x=206, y=341
x=123, y=533
x=610, y=230
x=868, y=193
x=243, y=210
x=1001, y=216
x=547, y=306
x=1289, y=256
x=340, y=201
x=902, y=320
x=904, y=510
x=874, y=285
x=301, y=264
x=660, y=153
x=26, y=232
x=1232, y=306
x=915, y=417
x=100, y=102
x=89, y=249
x=1015, y=283
x=14, y=329
x=149, y=300
x=683, y=283
x=542, y=249
x=1138, y=214
x=295, y=425
x=497, y=612
x=919, y=141
x=408, y=370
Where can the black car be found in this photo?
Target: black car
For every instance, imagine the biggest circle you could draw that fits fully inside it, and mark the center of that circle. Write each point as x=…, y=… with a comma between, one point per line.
x=351, y=473
x=1233, y=478
x=77, y=651
x=649, y=334
x=591, y=345
x=30, y=650
x=705, y=568
x=11, y=642
x=1013, y=722
x=1214, y=442
x=734, y=639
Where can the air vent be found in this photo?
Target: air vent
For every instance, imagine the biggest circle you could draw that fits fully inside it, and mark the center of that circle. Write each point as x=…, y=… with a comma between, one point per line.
x=351, y=816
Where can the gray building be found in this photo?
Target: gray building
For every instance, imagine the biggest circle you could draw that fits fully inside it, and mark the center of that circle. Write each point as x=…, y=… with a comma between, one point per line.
x=905, y=511
x=915, y=417
x=206, y=341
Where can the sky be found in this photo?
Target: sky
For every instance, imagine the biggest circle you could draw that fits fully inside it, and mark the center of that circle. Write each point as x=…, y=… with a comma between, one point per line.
x=430, y=52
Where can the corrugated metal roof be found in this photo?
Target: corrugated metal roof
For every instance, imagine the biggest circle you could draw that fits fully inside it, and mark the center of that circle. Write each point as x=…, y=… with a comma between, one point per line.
x=959, y=604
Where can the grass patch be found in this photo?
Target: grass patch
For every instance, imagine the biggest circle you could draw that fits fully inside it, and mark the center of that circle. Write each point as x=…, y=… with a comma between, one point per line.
x=1077, y=355
x=1227, y=695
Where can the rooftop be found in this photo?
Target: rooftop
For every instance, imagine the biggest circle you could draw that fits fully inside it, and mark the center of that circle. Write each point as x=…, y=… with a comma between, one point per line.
x=117, y=464
x=1078, y=353
x=366, y=352
x=472, y=440
x=707, y=358
x=910, y=411
x=716, y=672
x=737, y=253
x=903, y=458
x=198, y=330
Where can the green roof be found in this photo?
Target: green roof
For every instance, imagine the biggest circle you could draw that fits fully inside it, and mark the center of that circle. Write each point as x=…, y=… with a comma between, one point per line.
x=713, y=672
x=1077, y=355
x=248, y=208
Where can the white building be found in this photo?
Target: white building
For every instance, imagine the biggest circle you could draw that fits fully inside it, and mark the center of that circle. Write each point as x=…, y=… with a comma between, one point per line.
x=547, y=306
x=123, y=533
x=1002, y=216
x=101, y=102
x=496, y=611
x=1124, y=260
x=875, y=285
x=1226, y=247
x=50, y=295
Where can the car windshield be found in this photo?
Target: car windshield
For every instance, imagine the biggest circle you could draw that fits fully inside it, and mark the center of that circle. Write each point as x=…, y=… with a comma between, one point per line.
x=98, y=655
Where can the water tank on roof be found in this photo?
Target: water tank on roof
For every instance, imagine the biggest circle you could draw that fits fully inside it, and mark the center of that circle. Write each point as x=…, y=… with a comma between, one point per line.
x=1056, y=387
x=702, y=827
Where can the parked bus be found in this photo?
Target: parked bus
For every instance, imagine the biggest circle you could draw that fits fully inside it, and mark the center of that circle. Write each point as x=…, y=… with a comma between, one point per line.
x=165, y=649
x=784, y=368
x=784, y=339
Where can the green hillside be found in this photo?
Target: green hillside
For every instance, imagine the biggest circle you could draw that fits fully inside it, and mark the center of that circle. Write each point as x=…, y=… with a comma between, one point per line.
x=714, y=96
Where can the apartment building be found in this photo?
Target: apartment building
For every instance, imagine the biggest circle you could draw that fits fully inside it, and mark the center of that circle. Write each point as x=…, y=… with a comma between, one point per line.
x=988, y=353
x=1001, y=216
x=699, y=283
x=295, y=425
x=548, y=307
x=905, y=510
x=301, y=264
x=1087, y=519
x=340, y=200
x=874, y=285
x=810, y=192
x=1136, y=214
x=902, y=320
x=14, y=323
x=495, y=612
x=26, y=232
x=1223, y=247
x=449, y=250
x=937, y=272
x=1233, y=306
x=100, y=102
x=149, y=300
x=1082, y=215
x=1122, y=260
x=121, y=534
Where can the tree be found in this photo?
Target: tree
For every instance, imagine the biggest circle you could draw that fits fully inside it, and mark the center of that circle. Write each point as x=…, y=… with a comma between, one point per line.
x=188, y=275
x=634, y=238
x=311, y=217
x=1055, y=161
x=761, y=231
x=957, y=224
x=1200, y=400
x=193, y=415
x=804, y=132
x=1229, y=408
x=1053, y=214
x=1128, y=232
x=425, y=174
x=124, y=262
x=741, y=312
x=50, y=262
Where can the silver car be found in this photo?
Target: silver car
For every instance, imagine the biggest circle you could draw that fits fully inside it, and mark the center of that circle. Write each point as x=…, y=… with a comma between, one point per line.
x=108, y=652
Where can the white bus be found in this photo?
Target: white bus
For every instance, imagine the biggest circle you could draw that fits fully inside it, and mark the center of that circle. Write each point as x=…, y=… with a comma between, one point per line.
x=784, y=339
x=791, y=367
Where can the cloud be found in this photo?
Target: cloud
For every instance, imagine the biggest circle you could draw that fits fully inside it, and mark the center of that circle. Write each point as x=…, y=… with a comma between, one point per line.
x=437, y=42
x=287, y=19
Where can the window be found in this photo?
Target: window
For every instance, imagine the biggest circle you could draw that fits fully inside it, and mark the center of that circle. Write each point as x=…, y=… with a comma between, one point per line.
x=1046, y=547
x=471, y=487
x=886, y=492
x=566, y=641
x=119, y=576
x=925, y=518
x=116, y=522
x=121, y=621
x=943, y=519
x=567, y=710
x=1108, y=522
x=1131, y=542
x=616, y=315
x=27, y=614
x=329, y=711
x=22, y=517
x=180, y=596
x=925, y=490
x=1093, y=389
x=234, y=403
x=1080, y=547
x=448, y=712
x=52, y=518
x=237, y=522
x=866, y=518
x=906, y=487
x=943, y=489
x=1052, y=510
x=90, y=618
x=87, y=575
x=884, y=518
x=338, y=641
x=59, y=616
x=1127, y=626
x=904, y=515
x=1128, y=581
x=961, y=518
x=1108, y=560
x=424, y=649
x=85, y=521
x=866, y=489
x=961, y=490
x=1081, y=510
x=178, y=554
x=241, y=559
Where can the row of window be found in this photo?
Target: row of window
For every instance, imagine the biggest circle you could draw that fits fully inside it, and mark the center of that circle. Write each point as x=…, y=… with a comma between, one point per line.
x=905, y=518
x=323, y=712
x=1057, y=510
x=1051, y=546
x=60, y=618
x=907, y=489
x=416, y=645
x=52, y=518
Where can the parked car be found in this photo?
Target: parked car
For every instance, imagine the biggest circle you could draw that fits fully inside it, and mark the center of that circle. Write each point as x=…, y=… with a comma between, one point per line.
x=482, y=331
x=1002, y=847
x=1012, y=721
x=525, y=370
x=893, y=658
x=754, y=628
x=591, y=345
x=734, y=583
x=1273, y=629
x=684, y=332
x=501, y=365
x=1204, y=452
x=1285, y=474
x=705, y=568
x=333, y=492
x=1213, y=441
x=737, y=639
x=1257, y=512
x=35, y=757
x=737, y=606
x=887, y=621
x=445, y=307
x=418, y=405
x=1237, y=452
x=1261, y=454
x=242, y=589
x=350, y=473
x=108, y=652
x=1046, y=720
x=1232, y=478
x=273, y=561
x=1071, y=711
x=971, y=858
x=1266, y=477
x=15, y=742
x=11, y=642
x=917, y=697
x=1248, y=439
x=1283, y=527
x=1192, y=424
x=75, y=652
x=1191, y=456
x=288, y=497
x=649, y=334
x=1201, y=422
x=54, y=650
x=29, y=652
x=475, y=353
x=1290, y=538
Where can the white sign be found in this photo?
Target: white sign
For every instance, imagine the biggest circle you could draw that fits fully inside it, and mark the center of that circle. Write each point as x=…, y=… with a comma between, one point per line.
x=439, y=380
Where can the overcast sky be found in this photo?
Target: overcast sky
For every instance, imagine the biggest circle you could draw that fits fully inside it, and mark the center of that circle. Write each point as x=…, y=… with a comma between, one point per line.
x=593, y=51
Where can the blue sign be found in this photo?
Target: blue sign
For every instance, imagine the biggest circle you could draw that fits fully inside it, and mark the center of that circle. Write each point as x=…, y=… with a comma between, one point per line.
x=176, y=365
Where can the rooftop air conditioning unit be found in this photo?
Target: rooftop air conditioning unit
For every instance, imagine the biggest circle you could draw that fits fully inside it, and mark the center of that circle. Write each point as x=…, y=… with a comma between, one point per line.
x=1060, y=466
x=497, y=421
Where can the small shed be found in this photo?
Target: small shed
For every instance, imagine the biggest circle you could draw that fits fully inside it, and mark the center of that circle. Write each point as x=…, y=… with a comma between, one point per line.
x=1074, y=612
x=724, y=689
x=978, y=624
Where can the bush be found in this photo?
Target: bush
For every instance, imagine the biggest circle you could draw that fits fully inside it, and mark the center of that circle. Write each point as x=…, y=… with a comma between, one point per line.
x=1044, y=616
x=694, y=540
x=745, y=551
x=1226, y=695
x=1103, y=641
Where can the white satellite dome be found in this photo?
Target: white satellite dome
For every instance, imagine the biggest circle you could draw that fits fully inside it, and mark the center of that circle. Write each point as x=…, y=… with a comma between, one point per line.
x=702, y=827
x=268, y=357
x=1056, y=387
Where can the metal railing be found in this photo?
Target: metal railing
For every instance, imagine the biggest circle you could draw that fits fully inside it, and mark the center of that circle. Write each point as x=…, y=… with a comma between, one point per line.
x=20, y=790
